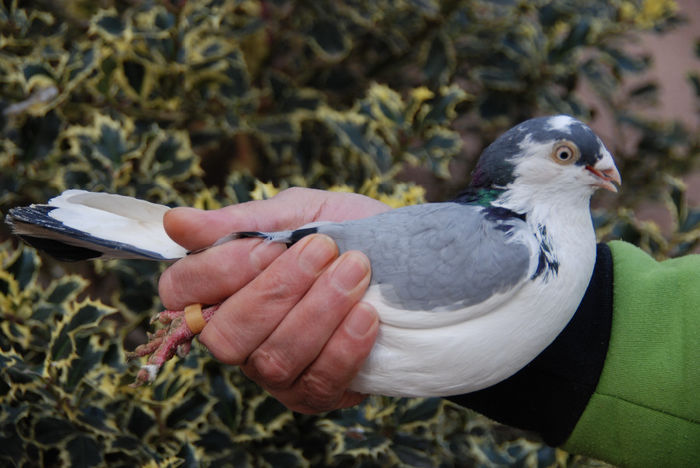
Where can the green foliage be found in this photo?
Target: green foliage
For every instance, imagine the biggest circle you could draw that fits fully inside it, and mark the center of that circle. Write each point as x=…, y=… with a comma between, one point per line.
x=213, y=102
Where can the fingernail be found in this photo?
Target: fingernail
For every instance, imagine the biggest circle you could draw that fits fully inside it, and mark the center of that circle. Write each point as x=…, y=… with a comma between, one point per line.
x=360, y=321
x=353, y=268
x=317, y=253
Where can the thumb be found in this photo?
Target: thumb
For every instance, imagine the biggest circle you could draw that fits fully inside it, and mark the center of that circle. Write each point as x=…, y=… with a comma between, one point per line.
x=189, y=227
x=290, y=209
x=193, y=228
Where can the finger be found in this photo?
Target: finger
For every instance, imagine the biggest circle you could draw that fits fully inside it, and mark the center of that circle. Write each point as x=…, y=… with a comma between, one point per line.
x=282, y=357
x=194, y=229
x=248, y=317
x=323, y=386
x=215, y=274
x=291, y=208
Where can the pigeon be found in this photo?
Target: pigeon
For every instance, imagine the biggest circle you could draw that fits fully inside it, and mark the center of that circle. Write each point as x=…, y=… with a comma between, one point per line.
x=467, y=291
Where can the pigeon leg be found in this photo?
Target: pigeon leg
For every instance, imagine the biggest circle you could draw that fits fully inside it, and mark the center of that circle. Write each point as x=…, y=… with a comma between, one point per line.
x=175, y=338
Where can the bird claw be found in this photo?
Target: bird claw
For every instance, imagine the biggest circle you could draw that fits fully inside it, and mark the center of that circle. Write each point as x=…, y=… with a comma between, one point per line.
x=175, y=338
x=166, y=316
x=184, y=349
x=147, y=374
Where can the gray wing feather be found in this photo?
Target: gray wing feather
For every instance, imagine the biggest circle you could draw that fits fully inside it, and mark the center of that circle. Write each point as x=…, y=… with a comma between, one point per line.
x=438, y=255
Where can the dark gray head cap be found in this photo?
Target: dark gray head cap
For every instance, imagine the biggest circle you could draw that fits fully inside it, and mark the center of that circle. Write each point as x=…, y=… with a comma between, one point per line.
x=496, y=163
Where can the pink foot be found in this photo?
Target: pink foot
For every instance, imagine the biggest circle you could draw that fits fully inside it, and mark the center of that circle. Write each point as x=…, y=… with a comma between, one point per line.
x=164, y=343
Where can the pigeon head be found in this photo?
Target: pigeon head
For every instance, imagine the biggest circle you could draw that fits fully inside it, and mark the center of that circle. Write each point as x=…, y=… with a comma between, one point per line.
x=548, y=155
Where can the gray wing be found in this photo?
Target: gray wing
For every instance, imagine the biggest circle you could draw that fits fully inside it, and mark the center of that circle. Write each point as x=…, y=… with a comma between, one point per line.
x=438, y=255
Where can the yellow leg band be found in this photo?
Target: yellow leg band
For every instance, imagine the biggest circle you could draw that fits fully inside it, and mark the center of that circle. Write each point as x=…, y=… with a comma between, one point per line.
x=194, y=319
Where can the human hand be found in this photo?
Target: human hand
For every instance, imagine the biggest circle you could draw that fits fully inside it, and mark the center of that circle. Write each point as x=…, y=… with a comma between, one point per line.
x=289, y=317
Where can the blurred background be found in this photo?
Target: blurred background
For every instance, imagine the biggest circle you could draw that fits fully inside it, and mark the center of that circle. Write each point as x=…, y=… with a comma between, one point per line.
x=211, y=102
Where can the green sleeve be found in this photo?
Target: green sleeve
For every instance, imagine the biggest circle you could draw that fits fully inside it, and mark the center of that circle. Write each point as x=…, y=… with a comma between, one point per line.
x=645, y=410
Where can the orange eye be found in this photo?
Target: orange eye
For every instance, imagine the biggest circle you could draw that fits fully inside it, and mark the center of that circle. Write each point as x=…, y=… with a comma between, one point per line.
x=565, y=153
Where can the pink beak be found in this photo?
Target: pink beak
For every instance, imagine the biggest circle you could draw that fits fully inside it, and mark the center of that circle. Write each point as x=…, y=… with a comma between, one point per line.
x=607, y=173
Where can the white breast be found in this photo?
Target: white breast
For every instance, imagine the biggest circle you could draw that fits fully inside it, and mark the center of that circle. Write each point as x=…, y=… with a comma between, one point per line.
x=443, y=357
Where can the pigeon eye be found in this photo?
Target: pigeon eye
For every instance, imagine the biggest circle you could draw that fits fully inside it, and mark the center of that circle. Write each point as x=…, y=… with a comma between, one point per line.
x=565, y=153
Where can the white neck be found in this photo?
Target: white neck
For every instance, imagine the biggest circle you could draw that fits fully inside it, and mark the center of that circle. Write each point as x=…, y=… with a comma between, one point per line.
x=564, y=218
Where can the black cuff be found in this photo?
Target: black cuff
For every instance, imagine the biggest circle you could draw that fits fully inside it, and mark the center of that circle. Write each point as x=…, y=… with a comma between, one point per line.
x=549, y=395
